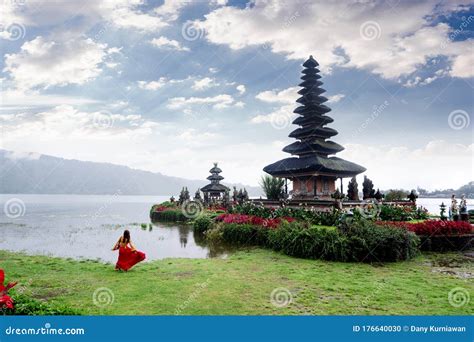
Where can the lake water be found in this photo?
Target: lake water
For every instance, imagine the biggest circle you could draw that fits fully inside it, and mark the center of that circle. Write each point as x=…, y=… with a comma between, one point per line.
x=87, y=226
x=79, y=226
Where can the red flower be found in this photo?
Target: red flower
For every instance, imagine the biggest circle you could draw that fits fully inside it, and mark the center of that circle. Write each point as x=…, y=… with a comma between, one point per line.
x=433, y=227
x=5, y=299
x=250, y=219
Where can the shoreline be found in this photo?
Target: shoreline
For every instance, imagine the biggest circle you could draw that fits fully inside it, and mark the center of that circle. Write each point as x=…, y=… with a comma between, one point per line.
x=242, y=285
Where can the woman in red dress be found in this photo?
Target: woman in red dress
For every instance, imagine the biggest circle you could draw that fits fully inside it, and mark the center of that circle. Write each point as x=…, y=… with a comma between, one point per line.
x=128, y=254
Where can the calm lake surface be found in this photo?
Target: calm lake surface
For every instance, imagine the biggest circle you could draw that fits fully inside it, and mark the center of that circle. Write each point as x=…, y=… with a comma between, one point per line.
x=87, y=227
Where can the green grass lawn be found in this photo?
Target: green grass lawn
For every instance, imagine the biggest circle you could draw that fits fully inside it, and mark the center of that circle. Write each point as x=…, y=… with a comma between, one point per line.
x=242, y=285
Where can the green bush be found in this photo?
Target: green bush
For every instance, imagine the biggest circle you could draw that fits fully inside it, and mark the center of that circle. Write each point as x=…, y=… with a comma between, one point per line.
x=396, y=213
x=169, y=215
x=202, y=223
x=359, y=240
x=28, y=306
x=244, y=234
x=298, y=240
x=365, y=241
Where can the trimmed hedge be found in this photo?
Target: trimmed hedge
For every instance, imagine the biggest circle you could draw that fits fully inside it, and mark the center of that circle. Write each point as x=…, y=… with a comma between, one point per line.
x=361, y=241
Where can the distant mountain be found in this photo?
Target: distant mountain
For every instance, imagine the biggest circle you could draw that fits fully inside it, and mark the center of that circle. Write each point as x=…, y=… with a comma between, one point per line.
x=467, y=189
x=30, y=173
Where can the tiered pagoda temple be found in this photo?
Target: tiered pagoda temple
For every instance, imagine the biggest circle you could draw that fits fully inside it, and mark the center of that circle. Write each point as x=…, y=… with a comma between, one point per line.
x=214, y=190
x=313, y=170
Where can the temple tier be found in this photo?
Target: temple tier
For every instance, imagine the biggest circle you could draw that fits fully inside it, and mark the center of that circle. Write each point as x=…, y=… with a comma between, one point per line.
x=313, y=171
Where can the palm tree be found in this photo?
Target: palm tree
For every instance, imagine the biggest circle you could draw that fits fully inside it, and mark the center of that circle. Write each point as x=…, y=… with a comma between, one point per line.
x=272, y=186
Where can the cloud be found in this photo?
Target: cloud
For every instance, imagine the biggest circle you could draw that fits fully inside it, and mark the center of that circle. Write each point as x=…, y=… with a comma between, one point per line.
x=281, y=117
x=43, y=62
x=335, y=98
x=170, y=44
x=218, y=101
x=152, y=85
x=66, y=122
x=288, y=95
x=363, y=35
x=241, y=89
x=204, y=83
x=18, y=99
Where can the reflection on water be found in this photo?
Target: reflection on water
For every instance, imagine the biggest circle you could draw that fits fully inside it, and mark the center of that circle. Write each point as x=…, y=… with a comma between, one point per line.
x=87, y=227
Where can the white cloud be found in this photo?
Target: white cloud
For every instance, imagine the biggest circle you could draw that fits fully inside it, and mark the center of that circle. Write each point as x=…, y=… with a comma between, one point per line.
x=213, y=70
x=241, y=89
x=67, y=123
x=153, y=85
x=282, y=117
x=204, y=83
x=288, y=95
x=218, y=101
x=463, y=65
x=12, y=99
x=170, y=44
x=389, y=47
x=43, y=63
x=335, y=98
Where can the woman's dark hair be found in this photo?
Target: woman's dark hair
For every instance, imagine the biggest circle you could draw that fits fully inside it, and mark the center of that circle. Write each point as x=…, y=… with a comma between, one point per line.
x=126, y=236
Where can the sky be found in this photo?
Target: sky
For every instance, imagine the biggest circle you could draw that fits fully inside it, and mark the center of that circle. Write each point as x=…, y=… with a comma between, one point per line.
x=174, y=86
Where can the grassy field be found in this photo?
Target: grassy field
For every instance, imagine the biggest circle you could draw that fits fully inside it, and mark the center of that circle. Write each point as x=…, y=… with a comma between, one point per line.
x=243, y=283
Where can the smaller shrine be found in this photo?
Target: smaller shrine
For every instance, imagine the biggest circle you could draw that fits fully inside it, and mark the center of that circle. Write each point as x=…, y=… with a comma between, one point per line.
x=215, y=191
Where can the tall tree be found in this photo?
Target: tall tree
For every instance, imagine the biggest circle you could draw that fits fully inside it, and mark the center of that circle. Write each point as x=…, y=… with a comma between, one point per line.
x=368, y=188
x=353, y=189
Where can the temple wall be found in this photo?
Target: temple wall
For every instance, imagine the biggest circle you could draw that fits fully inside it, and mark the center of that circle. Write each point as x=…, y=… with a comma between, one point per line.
x=305, y=187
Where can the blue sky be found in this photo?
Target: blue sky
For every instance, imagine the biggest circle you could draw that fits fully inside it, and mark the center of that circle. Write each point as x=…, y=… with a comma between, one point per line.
x=173, y=86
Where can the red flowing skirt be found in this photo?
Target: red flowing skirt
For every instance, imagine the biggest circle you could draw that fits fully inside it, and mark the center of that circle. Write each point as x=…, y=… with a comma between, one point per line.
x=127, y=258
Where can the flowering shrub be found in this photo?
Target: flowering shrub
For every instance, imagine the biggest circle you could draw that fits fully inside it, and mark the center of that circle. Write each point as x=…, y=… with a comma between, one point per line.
x=251, y=219
x=5, y=300
x=402, y=213
x=433, y=227
x=304, y=213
